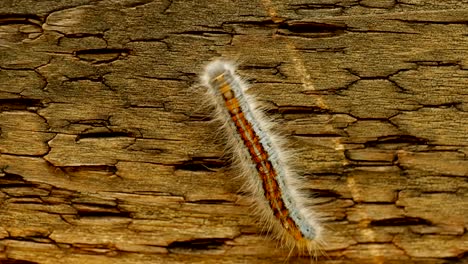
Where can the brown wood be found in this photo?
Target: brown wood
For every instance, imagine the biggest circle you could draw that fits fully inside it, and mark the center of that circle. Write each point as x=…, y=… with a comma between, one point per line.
x=108, y=157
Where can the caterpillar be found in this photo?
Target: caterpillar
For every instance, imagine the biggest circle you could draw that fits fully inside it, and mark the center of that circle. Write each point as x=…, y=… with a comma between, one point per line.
x=262, y=159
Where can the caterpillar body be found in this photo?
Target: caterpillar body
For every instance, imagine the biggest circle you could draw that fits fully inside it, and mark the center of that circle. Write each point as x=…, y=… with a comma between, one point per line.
x=262, y=159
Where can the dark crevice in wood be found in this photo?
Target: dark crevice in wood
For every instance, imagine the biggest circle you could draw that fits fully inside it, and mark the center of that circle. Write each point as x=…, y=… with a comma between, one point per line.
x=27, y=202
x=211, y=201
x=85, y=213
x=85, y=78
x=261, y=23
x=4, y=185
x=324, y=193
x=84, y=35
x=381, y=119
x=11, y=177
x=324, y=174
x=103, y=204
x=315, y=6
x=89, y=209
x=19, y=104
x=297, y=110
x=16, y=261
x=137, y=3
x=276, y=68
x=258, y=67
x=105, y=55
x=311, y=29
x=429, y=22
x=458, y=259
x=36, y=238
x=203, y=33
x=435, y=63
x=150, y=150
x=25, y=154
x=401, y=221
x=197, y=244
x=101, y=168
x=201, y=164
x=367, y=31
x=105, y=135
x=10, y=180
x=331, y=50
x=401, y=139
x=28, y=19
x=101, y=51
x=244, y=193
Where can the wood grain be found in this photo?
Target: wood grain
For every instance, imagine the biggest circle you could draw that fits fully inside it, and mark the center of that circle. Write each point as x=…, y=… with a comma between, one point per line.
x=107, y=155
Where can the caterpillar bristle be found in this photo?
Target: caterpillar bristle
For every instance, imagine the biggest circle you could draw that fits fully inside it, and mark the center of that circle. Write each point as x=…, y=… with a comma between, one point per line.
x=262, y=159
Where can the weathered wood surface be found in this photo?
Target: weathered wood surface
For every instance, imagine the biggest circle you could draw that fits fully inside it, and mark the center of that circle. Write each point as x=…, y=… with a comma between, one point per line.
x=107, y=156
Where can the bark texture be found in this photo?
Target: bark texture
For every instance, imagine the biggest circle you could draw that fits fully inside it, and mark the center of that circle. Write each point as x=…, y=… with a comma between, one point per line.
x=108, y=157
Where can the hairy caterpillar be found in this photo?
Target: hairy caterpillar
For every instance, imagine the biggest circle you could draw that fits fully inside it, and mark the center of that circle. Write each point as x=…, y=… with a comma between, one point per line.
x=261, y=158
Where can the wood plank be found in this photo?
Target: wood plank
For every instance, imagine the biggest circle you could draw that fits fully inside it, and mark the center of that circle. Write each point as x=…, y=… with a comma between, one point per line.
x=108, y=155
